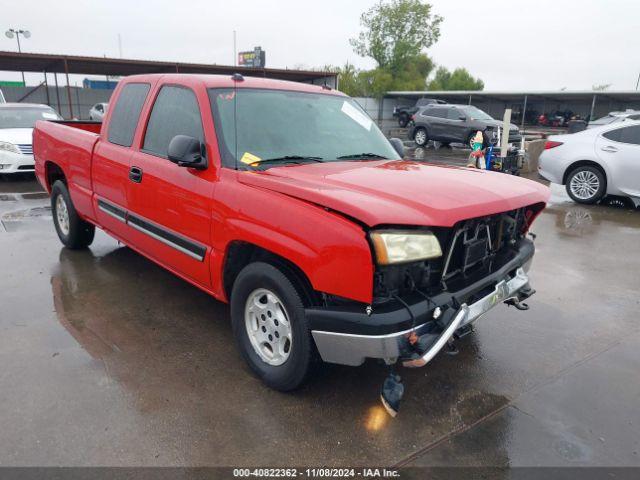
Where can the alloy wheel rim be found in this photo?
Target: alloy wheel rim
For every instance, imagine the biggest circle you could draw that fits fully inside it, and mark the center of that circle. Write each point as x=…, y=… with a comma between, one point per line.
x=584, y=185
x=62, y=215
x=421, y=137
x=268, y=326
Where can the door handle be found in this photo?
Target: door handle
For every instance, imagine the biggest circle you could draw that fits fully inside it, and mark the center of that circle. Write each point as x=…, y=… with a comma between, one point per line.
x=609, y=148
x=135, y=174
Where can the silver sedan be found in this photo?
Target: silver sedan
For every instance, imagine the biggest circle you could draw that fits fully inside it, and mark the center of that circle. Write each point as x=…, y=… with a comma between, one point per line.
x=595, y=162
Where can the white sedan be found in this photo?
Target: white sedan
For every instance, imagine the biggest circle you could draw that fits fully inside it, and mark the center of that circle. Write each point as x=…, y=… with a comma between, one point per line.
x=16, y=130
x=595, y=162
x=98, y=111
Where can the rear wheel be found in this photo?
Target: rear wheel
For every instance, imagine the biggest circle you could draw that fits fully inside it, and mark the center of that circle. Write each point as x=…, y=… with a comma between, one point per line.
x=586, y=185
x=421, y=137
x=270, y=326
x=73, y=232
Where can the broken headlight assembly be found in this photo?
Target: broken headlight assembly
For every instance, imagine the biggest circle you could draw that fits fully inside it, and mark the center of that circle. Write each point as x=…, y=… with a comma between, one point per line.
x=396, y=246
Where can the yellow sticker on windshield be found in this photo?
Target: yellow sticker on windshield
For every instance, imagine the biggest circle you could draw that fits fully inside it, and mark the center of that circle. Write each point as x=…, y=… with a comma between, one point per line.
x=249, y=158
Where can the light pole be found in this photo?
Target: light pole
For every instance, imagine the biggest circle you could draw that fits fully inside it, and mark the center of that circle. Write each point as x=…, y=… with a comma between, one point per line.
x=26, y=34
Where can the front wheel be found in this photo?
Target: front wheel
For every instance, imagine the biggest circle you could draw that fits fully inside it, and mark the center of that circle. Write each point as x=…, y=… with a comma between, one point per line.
x=586, y=185
x=73, y=232
x=270, y=326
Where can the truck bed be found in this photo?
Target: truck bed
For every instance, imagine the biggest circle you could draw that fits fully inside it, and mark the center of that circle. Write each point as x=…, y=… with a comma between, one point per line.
x=70, y=145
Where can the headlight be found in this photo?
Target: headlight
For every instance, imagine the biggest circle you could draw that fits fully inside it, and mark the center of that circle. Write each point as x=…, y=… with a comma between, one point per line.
x=9, y=147
x=404, y=246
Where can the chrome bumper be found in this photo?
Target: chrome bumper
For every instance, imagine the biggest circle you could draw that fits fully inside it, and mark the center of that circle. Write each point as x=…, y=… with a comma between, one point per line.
x=353, y=349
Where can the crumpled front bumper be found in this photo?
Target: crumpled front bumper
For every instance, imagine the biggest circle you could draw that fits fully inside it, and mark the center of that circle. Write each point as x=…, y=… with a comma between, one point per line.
x=433, y=330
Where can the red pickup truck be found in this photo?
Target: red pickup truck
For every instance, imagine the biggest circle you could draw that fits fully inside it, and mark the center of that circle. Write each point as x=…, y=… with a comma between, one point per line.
x=285, y=200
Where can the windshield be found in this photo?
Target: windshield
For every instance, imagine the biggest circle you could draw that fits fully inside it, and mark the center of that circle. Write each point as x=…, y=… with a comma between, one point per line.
x=606, y=120
x=25, y=117
x=475, y=113
x=294, y=127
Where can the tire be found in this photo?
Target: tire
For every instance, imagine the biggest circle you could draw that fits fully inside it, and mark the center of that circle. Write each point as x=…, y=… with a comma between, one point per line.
x=273, y=297
x=73, y=232
x=586, y=185
x=421, y=137
x=403, y=120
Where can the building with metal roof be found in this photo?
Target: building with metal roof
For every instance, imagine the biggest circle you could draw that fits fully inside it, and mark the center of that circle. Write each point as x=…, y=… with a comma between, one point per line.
x=69, y=64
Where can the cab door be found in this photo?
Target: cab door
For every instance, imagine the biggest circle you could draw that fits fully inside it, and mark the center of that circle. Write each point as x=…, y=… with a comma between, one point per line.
x=170, y=206
x=111, y=158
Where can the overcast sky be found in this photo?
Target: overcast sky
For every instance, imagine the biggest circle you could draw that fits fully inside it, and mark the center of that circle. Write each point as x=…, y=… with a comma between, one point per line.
x=510, y=44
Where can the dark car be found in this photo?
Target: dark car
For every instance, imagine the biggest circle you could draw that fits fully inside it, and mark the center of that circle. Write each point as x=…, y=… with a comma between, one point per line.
x=456, y=124
x=403, y=114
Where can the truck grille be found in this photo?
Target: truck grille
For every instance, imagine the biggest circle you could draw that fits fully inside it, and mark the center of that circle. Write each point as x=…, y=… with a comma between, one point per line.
x=25, y=149
x=471, y=249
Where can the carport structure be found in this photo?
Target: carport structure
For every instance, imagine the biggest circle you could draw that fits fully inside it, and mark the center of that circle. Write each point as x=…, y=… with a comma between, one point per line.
x=68, y=64
x=527, y=105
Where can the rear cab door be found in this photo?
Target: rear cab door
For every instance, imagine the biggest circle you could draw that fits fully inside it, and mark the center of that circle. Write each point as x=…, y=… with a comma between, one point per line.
x=170, y=206
x=111, y=158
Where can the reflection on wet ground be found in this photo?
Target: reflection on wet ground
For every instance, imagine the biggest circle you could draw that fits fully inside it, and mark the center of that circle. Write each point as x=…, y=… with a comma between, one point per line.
x=108, y=359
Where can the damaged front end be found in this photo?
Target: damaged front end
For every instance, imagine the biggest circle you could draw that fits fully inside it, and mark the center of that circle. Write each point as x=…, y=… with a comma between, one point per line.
x=420, y=307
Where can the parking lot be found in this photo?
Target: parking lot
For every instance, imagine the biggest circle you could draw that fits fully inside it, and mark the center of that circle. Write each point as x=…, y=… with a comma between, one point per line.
x=107, y=359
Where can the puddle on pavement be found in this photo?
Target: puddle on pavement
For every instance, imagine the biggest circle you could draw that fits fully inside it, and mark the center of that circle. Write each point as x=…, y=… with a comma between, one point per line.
x=28, y=219
x=17, y=197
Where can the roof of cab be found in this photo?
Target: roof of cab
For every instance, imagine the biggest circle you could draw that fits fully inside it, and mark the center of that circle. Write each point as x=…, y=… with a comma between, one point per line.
x=228, y=81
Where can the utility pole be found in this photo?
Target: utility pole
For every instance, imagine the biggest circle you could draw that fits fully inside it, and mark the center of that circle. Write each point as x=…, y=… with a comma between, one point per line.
x=235, y=51
x=17, y=32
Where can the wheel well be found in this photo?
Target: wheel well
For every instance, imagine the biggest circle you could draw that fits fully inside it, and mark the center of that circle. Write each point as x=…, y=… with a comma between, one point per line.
x=241, y=254
x=582, y=163
x=53, y=172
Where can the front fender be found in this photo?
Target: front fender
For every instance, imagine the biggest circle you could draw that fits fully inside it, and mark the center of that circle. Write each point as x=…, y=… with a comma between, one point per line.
x=331, y=250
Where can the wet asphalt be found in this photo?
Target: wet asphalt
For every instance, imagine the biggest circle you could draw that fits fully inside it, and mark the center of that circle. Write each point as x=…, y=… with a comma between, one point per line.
x=107, y=359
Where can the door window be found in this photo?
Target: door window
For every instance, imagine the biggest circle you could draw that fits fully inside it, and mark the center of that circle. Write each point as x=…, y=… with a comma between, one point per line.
x=126, y=113
x=438, y=112
x=175, y=112
x=453, y=114
x=624, y=135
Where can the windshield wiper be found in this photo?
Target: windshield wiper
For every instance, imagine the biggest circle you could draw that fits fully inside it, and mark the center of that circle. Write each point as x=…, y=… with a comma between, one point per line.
x=287, y=158
x=361, y=155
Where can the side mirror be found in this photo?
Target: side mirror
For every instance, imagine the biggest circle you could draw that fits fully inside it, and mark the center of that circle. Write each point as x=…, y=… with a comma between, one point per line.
x=397, y=145
x=186, y=152
x=462, y=117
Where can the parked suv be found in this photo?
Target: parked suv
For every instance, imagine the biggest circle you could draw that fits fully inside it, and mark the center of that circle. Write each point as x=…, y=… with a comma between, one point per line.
x=403, y=114
x=456, y=124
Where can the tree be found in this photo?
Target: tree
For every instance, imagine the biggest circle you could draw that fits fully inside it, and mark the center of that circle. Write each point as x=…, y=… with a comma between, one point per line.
x=396, y=32
x=460, y=79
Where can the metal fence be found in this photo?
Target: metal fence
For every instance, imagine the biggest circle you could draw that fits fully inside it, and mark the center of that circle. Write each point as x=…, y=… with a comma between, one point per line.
x=82, y=99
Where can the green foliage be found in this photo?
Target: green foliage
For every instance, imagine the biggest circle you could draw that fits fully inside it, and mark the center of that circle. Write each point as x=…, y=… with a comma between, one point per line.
x=396, y=32
x=459, y=79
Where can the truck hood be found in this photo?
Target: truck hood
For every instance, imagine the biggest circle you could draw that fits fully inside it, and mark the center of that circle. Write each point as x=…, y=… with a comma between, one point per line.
x=400, y=192
x=17, y=136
